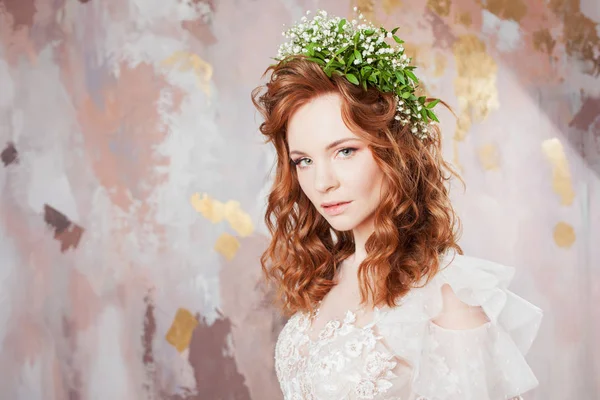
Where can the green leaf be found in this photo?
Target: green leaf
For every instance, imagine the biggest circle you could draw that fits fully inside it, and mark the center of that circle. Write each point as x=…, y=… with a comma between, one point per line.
x=352, y=78
x=369, y=32
x=341, y=25
x=421, y=99
x=412, y=76
x=350, y=61
x=424, y=113
x=317, y=60
x=358, y=56
x=400, y=77
x=405, y=95
x=364, y=84
x=395, y=30
x=340, y=51
x=398, y=40
x=432, y=115
x=433, y=103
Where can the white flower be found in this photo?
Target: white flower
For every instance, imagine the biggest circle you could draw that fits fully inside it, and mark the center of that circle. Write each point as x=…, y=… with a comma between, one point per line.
x=383, y=385
x=378, y=364
x=324, y=366
x=350, y=317
x=285, y=348
x=303, y=322
x=338, y=361
x=329, y=330
x=389, y=34
x=365, y=389
x=354, y=347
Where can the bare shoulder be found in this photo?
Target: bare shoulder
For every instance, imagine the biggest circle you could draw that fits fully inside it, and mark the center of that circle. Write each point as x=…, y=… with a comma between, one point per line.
x=458, y=315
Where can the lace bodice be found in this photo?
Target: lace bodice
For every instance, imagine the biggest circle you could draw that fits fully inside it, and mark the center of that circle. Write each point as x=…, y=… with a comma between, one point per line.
x=401, y=354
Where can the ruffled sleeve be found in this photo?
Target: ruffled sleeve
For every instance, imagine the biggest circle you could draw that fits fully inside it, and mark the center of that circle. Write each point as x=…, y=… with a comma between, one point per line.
x=482, y=363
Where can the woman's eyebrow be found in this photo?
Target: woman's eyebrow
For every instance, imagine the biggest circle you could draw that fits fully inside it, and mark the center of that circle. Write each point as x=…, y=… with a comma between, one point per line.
x=329, y=146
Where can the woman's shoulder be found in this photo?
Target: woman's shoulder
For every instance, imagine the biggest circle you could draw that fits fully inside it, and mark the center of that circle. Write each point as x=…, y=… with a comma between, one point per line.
x=467, y=316
x=471, y=287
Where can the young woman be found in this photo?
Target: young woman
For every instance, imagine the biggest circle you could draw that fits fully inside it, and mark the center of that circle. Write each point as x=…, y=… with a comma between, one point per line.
x=364, y=246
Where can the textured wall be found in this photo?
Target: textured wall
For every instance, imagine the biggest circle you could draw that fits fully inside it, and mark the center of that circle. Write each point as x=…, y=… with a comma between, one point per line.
x=133, y=182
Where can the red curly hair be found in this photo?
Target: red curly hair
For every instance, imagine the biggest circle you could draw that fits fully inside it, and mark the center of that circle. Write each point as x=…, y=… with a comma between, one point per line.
x=414, y=224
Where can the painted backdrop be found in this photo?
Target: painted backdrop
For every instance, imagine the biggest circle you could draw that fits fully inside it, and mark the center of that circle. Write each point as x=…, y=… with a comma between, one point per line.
x=133, y=182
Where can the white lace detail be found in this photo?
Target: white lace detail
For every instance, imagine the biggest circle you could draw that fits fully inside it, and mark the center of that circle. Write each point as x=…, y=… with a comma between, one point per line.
x=344, y=361
x=402, y=355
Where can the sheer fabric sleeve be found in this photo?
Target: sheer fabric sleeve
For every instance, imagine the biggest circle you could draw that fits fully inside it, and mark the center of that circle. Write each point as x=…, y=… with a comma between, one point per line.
x=474, y=348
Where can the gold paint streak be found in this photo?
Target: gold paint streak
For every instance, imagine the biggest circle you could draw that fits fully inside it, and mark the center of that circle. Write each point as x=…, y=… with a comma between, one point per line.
x=239, y=220
x=462, y=127
x=475, y=85
x=543, y=41
x=440, y=7
x=390, y=5
x=464, y=18
x=440, y=64
x=564, y=235
x=561, y=175
x=488, y=156
x=180, y=332
x=212, y=210
x=215, y=211
x=227, y=245
x=186, y=61
x=420, y=55
x=455, y=157
x=507, y=9
x=580, y=34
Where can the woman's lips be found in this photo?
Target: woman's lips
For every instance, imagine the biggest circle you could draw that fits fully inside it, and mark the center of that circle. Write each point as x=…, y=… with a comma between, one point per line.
x=337, y=208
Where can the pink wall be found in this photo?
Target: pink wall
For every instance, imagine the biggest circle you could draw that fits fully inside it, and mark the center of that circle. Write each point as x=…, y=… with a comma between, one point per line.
x=133, y=181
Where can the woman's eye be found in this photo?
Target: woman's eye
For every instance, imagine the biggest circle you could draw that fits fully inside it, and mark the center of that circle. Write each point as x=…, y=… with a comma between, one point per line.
x=307, y=161
x=347, y=152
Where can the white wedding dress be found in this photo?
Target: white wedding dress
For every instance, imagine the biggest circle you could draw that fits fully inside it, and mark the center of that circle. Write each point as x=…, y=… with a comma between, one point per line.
x=400, y=354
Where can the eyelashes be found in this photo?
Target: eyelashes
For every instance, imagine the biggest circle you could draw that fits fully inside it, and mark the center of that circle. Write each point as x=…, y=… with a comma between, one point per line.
x=347, y=152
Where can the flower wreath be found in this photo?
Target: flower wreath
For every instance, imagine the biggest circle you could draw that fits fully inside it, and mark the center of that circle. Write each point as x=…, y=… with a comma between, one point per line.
x=359, y=51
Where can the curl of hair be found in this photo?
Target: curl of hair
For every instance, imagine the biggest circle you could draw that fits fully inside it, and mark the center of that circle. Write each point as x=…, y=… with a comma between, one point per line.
x=414, y=223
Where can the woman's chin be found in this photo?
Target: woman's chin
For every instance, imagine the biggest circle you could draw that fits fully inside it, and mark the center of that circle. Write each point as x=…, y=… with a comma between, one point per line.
x=341, y=224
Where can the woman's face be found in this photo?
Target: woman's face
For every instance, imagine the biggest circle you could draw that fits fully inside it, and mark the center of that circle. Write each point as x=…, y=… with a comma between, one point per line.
x=334, y=165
